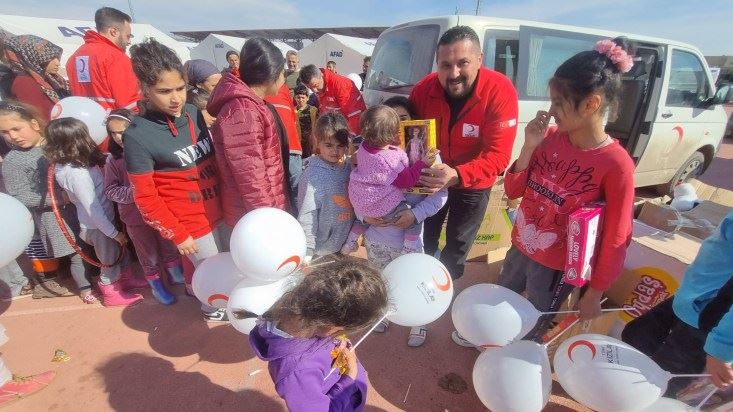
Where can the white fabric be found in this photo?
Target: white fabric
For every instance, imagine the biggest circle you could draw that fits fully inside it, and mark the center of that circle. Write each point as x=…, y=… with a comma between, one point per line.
x=85, y=188
x=215, y=47
x=347, y=52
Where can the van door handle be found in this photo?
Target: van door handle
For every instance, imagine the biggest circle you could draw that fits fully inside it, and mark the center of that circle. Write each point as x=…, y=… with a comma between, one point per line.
x=666, y=115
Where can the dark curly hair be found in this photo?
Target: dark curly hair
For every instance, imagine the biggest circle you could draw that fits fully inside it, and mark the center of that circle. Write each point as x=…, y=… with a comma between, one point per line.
x=403, y=102
x=260, y=62
x=68, y=142
x=590, y=72
x=151, y=58
x=345, y=294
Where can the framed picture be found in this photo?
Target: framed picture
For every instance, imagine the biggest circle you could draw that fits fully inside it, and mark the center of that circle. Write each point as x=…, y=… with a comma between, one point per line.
x=416, y=138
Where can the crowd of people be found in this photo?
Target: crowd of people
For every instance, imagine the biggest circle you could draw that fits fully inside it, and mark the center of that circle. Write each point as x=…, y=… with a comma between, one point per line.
x=192, y=149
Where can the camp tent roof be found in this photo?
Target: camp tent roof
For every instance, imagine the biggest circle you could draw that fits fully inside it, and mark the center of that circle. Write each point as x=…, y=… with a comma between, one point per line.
x=347, y=52
x=215, y=46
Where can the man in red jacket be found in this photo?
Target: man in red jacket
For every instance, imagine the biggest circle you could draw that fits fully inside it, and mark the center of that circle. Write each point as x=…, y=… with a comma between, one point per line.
x=100, y=69
x=335, y=92
x=476, y=113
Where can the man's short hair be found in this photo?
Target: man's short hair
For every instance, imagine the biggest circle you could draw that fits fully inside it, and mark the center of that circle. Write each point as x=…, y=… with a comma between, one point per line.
x=459, y=33
x=230, y=52
x=331, y=62
x=367, y=59
x=300, y=89
x=107, y=17
x=308, y=73
x=291, y=53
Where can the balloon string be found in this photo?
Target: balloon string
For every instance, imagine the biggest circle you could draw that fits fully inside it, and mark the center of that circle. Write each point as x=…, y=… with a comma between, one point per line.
x=700, y=375
x=549, y=342
x=361, y=340
x=705, y=400
x=577, y=311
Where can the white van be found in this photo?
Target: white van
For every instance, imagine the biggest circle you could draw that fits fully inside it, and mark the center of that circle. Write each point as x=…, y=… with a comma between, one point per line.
x=669, y=118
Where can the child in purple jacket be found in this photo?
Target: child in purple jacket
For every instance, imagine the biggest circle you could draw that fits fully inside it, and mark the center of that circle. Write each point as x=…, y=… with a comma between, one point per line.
x=298, y=337
x=377, y=185
x=151, y=248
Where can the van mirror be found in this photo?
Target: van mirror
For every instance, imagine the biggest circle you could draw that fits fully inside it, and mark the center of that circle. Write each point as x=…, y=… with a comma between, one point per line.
x=724, y=94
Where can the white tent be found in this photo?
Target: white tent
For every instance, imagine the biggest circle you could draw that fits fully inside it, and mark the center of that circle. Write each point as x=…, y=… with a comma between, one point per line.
x=215, y=47
x=69, y=34
x=347, y=52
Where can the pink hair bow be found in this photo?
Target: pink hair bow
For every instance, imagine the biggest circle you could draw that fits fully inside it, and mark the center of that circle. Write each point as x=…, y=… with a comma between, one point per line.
x=623, y=61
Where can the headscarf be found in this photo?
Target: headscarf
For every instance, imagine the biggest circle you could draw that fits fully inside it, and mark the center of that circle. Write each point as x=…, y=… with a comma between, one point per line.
x=198, y=70
x=29, y=54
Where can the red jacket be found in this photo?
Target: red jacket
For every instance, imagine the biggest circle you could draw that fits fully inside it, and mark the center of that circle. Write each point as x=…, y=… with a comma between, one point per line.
x=247, y=149
x=26, y=90
x=102, y=72
x=339, y=93
x=283, y=103
x=479, y=145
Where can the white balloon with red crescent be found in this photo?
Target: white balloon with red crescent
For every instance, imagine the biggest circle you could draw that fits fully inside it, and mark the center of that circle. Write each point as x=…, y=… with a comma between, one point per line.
x=251, y=298
x=420, y=289
x=516, y=377
x=85, y=109
x=608, y=375
x=669, y=405
x=214, y=279
x=17, y=226
x=490, y=315
x=268, y=244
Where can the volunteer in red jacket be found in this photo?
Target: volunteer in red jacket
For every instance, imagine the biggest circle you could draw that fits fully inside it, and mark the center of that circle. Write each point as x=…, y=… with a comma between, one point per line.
x=100, y=69
x=335, y=92
x=283, y=104
x=476, y=113
x=249, y=141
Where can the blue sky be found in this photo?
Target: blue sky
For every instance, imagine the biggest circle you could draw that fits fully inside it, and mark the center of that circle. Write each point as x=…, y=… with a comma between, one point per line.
x=704, y=23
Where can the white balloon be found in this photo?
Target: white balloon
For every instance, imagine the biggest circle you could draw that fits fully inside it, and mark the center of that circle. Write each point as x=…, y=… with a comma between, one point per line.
x=515, y=377
x=268, y=244
x=214, y=280
x=354, y=77
x=668, y=405
x=257, y=298
x=16, y=228
x=608, y=375
x=491, y=315
x=420, y=289
x=86, y=110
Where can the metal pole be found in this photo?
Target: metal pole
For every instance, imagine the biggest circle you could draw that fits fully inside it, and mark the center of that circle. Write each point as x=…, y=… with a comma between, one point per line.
x=132, y=13
x=478, y=6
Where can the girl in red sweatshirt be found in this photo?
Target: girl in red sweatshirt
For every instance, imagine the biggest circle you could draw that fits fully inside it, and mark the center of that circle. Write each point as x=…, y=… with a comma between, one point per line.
x=563, y=168
x=170, y=161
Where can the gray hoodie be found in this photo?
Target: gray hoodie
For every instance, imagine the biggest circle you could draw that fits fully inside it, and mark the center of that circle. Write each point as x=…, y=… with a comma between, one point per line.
x=325, y=212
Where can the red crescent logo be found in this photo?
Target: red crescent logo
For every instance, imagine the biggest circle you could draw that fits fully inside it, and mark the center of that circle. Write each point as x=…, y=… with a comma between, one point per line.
x=217, y=296
x=680, y=132
x=291, y=259
x=581, y=343
x=56, y=111
x=443, y=286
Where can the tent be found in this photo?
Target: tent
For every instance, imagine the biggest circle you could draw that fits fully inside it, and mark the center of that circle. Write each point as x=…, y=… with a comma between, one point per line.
x=215, y=47
x=69, y=34
x=347, y=52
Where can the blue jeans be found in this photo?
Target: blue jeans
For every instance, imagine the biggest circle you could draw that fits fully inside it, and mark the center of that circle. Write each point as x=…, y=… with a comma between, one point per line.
x=295, y=169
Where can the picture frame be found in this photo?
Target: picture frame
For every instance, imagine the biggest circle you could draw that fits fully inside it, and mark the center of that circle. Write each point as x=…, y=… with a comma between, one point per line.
x=416, y=137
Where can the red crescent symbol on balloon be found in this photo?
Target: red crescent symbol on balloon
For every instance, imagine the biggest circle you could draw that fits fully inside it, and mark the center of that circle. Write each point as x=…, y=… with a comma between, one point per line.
x=581, y=343
x=56, y=111
x=443, y=286
x=291, y=259
x=217, y=296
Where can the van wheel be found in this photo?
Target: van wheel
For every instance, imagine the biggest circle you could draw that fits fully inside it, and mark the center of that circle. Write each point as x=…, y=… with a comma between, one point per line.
x=691, y=169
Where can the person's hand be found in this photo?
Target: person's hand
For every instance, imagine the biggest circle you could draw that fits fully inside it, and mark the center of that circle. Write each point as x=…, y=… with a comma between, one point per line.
x=534, y=132
x=405, y=219
x=187, y=247
x=721, y=372
x=121, y=238
x=438, y=177
x=377, y=221
x=590, y=304
x=429, y=156
x=347, y=354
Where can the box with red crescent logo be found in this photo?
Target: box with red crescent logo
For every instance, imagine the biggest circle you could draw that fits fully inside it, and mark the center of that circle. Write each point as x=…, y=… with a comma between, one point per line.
x=583, y=234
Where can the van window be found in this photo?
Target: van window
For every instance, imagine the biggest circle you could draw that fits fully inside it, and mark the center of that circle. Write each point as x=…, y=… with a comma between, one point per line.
x=688, y=81
x=501, y=52
x=402, y=57
x=546, y=54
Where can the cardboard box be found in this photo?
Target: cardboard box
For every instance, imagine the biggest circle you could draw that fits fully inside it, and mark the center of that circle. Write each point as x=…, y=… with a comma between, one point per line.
x=582, y=239
x=714, y=194
x=699, y=222
x=600, y=325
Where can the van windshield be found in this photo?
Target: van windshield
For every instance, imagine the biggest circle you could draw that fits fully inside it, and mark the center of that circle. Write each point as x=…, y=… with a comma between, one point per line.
x=402, y=57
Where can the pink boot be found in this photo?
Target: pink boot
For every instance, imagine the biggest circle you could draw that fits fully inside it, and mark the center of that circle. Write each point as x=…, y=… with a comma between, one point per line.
x=130, y=282
x=113, y=295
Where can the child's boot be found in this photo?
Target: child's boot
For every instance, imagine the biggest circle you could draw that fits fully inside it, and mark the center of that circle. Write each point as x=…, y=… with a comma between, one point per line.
x=159, y=291
x=129, y=282
x=175, y=272
x=114, y=295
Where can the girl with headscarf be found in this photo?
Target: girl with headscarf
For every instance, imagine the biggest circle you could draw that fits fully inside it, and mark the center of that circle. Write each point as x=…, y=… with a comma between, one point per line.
x=35, y=63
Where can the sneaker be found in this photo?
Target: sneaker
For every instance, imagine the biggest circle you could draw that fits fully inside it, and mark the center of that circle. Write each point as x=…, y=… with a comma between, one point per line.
x=21, y=387
x=460, y=341
x=382, y=327
x=417, y=336
x=219, y=315
x=50, y=289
